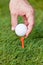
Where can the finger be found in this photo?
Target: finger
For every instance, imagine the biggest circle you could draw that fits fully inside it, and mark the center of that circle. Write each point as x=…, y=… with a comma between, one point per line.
x=30, y=27
x=14, y=21
x=26, y=36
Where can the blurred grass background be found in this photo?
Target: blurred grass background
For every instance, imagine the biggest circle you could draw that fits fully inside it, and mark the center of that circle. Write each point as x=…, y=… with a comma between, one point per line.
x=11, y=52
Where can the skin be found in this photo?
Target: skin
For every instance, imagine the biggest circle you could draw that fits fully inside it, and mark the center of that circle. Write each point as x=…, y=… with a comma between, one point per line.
x=24, y=9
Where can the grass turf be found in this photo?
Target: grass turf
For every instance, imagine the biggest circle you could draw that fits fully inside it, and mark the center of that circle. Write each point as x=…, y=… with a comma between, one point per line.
x=11, y=52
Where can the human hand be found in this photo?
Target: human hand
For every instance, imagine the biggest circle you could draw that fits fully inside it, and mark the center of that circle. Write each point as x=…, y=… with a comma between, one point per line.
x=22, y=8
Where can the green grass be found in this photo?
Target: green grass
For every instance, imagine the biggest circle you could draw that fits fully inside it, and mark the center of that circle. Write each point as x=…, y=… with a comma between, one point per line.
x=11, y=52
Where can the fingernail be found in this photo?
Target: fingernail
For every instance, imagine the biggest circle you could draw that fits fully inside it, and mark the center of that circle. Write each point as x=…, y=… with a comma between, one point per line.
x=12, y=28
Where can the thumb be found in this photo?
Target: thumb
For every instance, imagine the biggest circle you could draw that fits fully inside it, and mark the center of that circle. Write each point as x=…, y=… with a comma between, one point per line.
x=26, y=35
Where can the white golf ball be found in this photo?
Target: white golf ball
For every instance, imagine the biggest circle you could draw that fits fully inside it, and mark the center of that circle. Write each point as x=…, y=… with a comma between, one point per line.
x=21, y=29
